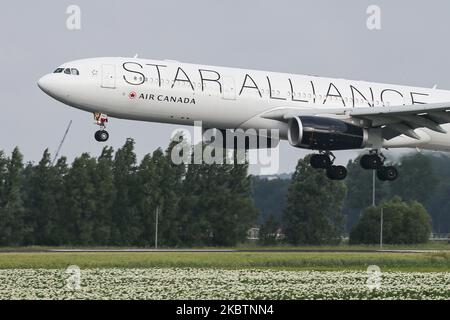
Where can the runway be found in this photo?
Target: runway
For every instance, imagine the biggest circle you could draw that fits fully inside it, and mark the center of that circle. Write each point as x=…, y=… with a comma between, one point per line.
x=220, y=251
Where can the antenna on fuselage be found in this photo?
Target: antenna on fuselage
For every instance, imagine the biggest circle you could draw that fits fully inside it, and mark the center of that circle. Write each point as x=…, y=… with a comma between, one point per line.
x=135, y=56
x=61, y=143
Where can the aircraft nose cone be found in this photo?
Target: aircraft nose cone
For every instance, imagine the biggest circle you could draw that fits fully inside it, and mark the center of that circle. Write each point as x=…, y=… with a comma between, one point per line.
x=45, y=83
x=52, y=85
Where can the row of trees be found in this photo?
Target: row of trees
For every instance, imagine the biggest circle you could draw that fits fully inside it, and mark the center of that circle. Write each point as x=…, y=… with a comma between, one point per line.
x=424, y=178
x=315, y=214
x=111, y=200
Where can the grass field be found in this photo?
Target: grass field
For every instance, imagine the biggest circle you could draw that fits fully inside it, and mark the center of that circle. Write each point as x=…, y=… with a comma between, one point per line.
x=323, y=261
x=225, y=275
x=431, y=245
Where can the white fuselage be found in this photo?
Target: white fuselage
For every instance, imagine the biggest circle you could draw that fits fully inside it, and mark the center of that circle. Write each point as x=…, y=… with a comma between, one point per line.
x=180, y=93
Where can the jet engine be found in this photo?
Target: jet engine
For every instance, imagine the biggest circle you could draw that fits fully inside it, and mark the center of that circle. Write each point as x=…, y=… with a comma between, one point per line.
x=320, y=133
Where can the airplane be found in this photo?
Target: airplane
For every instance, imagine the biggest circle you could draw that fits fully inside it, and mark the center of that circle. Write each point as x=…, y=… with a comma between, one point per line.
x=311, y=112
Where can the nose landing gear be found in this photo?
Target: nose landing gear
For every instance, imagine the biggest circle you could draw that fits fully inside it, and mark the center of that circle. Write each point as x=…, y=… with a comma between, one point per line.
x=324, y=160
x=101, y=135
x=101, y=119
x=375, y=161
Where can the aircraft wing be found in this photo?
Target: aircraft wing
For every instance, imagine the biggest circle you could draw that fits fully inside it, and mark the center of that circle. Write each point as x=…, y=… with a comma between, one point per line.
x=394, y=120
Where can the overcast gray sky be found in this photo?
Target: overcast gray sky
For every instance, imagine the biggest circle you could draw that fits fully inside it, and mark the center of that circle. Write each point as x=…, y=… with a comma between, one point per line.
x=327, y=38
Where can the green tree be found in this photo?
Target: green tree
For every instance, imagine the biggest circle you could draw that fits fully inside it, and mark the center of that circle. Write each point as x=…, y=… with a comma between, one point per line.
x=417, y=179
x=160, y=186
x=79, y=203
x=359, y=183
x=127, y=227
x=148, y=196
x=268, y=231
x=216, y=205
x=193, y=220
x=12, y=209
x=438, y=203
x=105, y=193
x=269, y=196
x=313, y=209
x=403, y=223
x=43, y=188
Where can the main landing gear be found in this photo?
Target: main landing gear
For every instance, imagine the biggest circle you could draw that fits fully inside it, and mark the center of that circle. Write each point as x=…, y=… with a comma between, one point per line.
x=325, y=160
x=372, y=161
x=375, y=161
x=101, y=119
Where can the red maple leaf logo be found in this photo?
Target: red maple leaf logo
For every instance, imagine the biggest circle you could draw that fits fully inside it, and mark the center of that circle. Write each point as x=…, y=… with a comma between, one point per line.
x=132, y=95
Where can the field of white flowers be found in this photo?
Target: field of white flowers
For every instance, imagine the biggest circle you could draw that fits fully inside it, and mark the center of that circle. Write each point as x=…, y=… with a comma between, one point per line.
x=178, y=283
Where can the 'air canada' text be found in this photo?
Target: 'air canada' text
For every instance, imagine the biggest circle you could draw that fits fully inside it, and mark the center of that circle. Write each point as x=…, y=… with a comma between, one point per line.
x=164, y=98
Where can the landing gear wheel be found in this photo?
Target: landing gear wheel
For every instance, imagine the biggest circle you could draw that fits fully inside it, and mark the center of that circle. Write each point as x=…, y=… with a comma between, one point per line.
x=371, y=161
x=101, y=119
x=388, y=173
x=101, y=135
x=320, y=161
x=336, y=172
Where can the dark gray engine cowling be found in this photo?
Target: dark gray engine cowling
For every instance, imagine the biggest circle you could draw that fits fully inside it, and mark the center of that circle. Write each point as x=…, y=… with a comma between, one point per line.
x=320, y=133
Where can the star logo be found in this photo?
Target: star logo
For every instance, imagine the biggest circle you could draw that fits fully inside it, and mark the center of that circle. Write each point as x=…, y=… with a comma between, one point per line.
x=132, y=95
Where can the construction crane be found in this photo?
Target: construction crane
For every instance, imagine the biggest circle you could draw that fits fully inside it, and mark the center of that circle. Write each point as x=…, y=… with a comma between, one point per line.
x=61, y=143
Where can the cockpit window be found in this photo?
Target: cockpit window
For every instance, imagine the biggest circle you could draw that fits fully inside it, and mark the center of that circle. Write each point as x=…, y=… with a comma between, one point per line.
x=71, y=71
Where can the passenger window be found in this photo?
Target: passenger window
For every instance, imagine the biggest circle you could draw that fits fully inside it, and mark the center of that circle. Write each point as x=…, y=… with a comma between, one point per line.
x=75, y=72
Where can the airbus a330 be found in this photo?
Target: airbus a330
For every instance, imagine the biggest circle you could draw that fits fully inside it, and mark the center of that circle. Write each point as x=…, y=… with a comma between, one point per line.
x=311, y=112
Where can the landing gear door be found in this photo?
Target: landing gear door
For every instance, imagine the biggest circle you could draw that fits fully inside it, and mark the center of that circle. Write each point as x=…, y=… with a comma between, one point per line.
x=229, y=88
x=108, y=76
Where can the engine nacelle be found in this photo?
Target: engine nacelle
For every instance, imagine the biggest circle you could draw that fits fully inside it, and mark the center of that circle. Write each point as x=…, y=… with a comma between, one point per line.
x=320, y=133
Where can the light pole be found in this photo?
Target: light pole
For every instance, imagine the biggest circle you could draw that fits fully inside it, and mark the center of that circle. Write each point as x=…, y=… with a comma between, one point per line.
x=156, y=227
x=381, y=229
x=373, y=188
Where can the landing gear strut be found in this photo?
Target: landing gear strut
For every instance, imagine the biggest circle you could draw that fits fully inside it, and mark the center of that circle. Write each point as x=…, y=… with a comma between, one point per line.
x=101, y=119
x=375, y=161
x=325, y=160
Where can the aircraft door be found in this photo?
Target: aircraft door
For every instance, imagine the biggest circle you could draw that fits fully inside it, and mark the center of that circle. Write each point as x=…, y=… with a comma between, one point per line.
x=108, y=76
x=229, y=88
